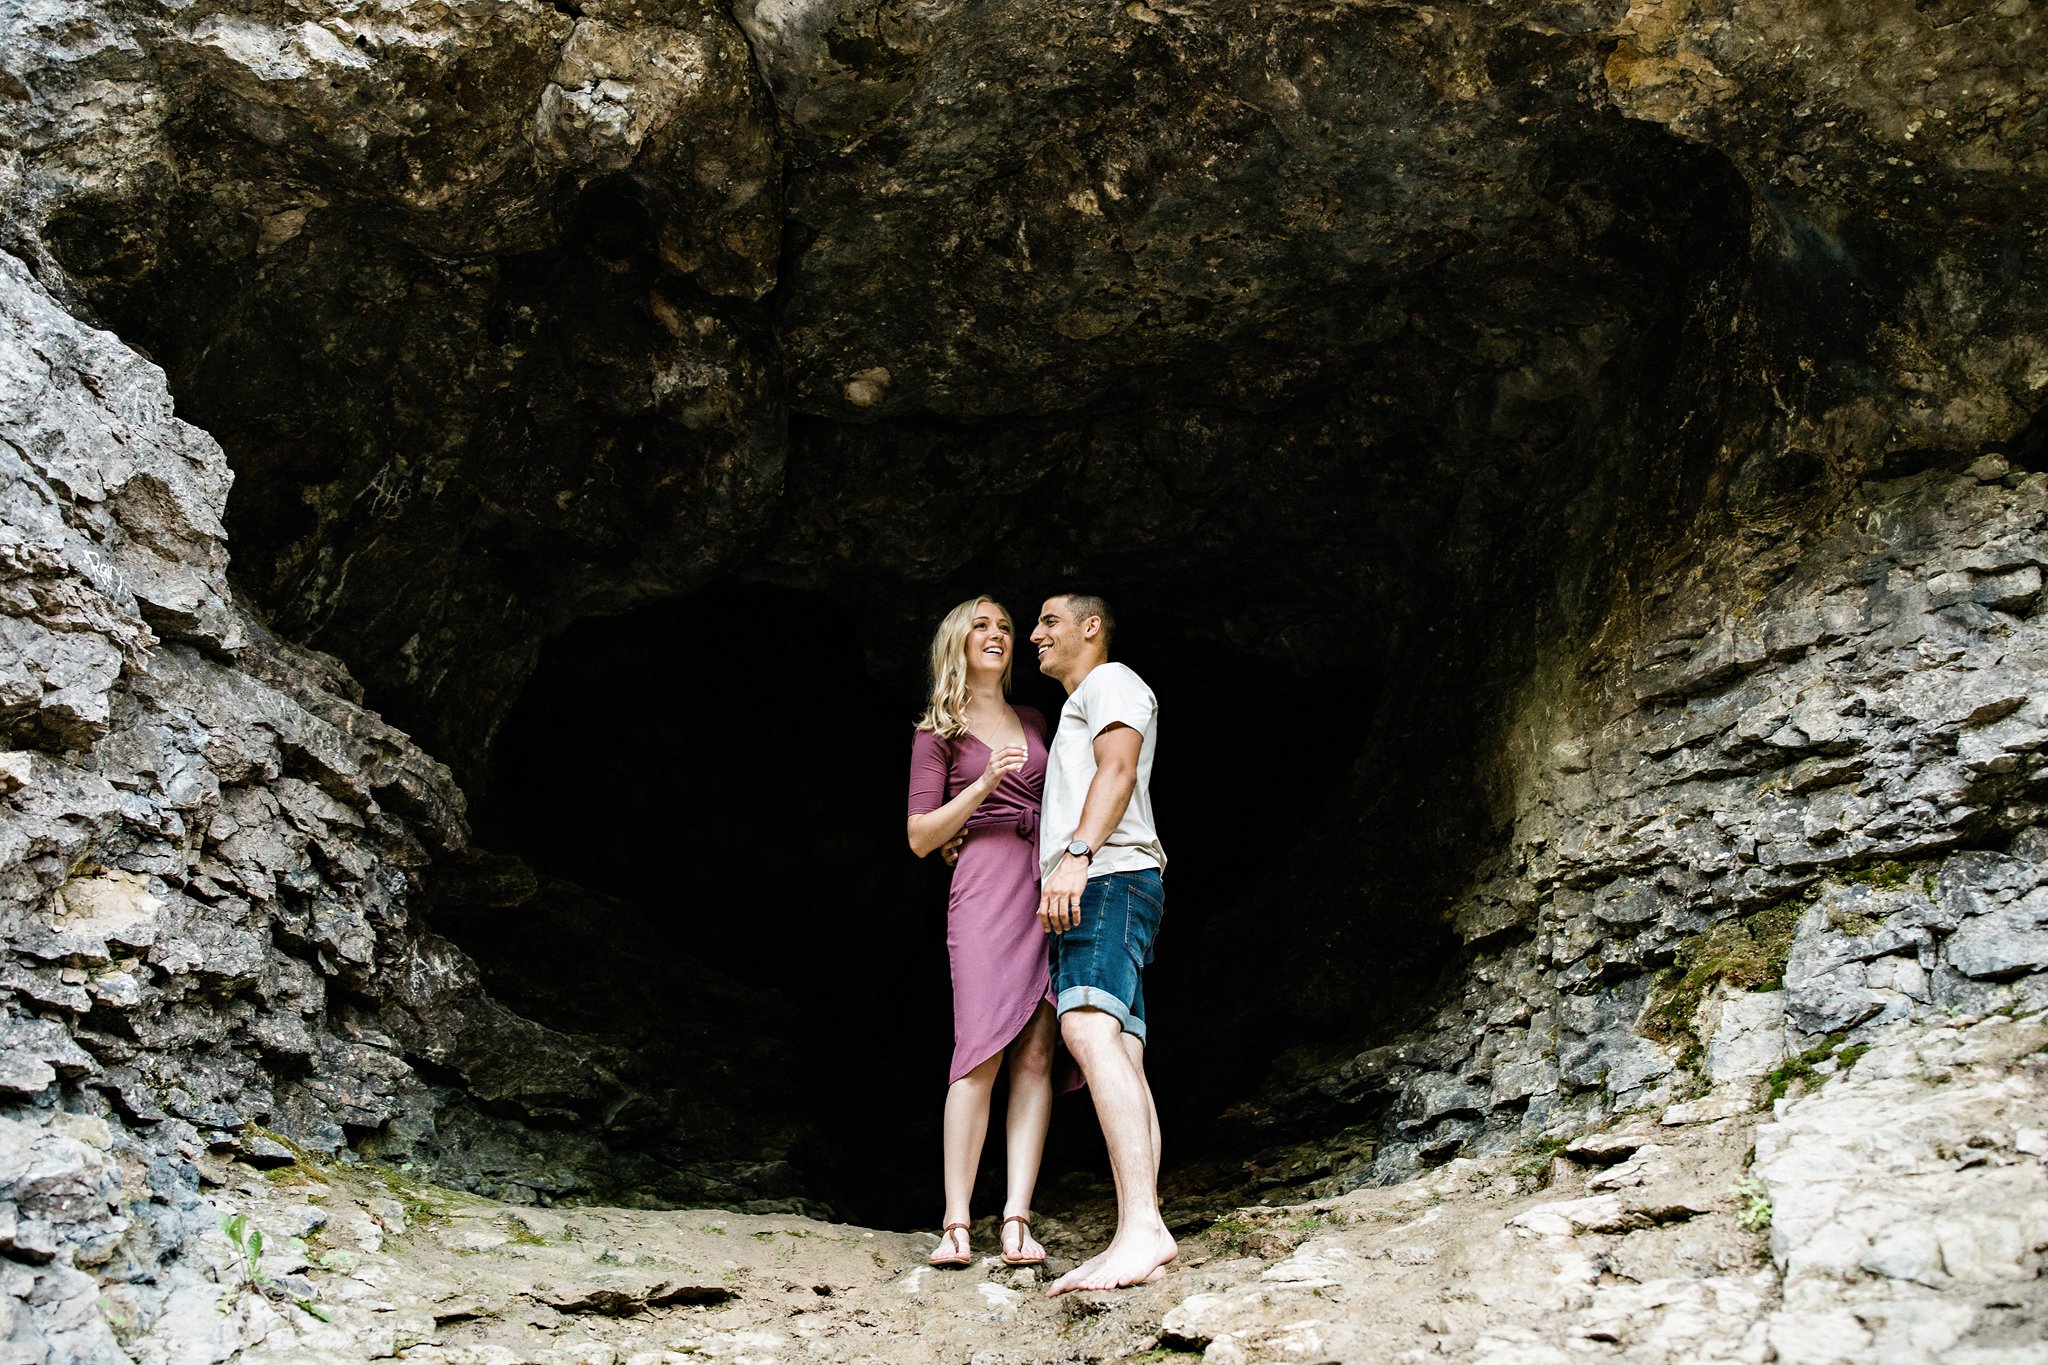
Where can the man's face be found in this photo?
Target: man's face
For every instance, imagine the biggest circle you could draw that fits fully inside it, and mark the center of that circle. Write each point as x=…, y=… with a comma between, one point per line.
x=1057, y=636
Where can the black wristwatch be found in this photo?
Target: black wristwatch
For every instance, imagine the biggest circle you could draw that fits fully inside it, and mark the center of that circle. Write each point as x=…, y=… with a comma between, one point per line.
x=1077, y=849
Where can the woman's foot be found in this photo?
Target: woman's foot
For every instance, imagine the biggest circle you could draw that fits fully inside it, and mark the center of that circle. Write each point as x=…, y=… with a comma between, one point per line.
x=953, y=1249
x=1020, y=1247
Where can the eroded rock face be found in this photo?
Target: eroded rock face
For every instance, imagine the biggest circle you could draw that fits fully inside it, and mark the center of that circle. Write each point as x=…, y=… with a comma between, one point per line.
x=1837, y=789
x=208, y=851
x=1641, y=402
x=512, y=230
x=1443, y=261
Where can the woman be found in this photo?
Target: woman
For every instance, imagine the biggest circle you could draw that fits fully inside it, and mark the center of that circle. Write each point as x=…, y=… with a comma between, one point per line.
x=977, y=765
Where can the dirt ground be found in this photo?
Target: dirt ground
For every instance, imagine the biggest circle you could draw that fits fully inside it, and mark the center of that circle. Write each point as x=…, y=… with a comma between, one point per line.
x=413, y=1272
x=1893, y=1208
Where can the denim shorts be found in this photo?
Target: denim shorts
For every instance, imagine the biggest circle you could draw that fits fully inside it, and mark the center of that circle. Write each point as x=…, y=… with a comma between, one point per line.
x=1097, y=963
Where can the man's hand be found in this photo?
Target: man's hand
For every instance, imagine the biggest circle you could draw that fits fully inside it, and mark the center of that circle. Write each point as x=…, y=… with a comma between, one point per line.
x=1059, y=905
x=950, y=850
x=1117, y=750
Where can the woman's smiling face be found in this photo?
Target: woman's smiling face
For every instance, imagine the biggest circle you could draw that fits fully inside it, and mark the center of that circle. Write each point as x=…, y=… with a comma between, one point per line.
x=989, y=641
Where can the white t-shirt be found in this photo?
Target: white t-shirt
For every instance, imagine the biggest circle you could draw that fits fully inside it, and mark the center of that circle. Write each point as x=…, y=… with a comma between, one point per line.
x=1111, y=693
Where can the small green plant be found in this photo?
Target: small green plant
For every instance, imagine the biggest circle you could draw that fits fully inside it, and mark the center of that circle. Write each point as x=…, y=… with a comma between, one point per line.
x=1543, y=1153
x=770, y=1234
x=1231, y=1232
x=249, y=1242
x=1752, y=1203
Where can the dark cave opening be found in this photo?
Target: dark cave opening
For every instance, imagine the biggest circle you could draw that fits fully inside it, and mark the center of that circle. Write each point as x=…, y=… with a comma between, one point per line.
x=712, y=791
x=708, y=790
x=1375, y=492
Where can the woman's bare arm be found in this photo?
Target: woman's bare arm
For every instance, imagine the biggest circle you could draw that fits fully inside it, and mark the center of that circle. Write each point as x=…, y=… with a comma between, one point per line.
x=932, y=829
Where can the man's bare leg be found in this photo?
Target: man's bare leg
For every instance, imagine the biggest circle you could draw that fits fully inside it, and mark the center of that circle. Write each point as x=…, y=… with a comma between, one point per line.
x=1024, y=1127
x=1123, y=1105
x=1135, y=1050
x=965, y=1128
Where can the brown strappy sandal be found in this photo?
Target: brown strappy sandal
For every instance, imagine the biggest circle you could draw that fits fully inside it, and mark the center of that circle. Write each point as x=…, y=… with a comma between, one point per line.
x=1008, y=1259
x=966, y=1257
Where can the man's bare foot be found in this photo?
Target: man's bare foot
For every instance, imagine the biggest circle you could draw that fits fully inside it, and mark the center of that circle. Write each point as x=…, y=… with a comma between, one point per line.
x=1079, y=1272
x=1135, y=1257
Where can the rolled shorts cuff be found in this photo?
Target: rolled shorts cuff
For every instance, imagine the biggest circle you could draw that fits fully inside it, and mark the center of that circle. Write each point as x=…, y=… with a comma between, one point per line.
x=1089, y=998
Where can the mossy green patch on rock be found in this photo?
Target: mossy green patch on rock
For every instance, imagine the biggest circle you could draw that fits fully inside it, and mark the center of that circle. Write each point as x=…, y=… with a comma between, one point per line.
x=306, y=1168
x=1800, y=1070
x=421, y=1200
x=520, y=1235
x=1748, y=954
x=1886, y=876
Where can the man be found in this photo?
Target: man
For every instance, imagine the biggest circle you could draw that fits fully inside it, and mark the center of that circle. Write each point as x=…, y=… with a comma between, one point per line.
x=1101, y=861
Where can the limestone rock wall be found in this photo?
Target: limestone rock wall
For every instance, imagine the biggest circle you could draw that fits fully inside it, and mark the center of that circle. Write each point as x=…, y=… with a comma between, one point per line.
x=208, y=851
x=1794, y=793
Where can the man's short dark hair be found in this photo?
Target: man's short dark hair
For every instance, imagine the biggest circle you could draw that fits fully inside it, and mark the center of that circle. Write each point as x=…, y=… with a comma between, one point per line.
x=1087, y=604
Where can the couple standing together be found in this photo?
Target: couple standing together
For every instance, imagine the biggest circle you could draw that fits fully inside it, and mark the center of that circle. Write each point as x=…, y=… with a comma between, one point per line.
x=1056, y=897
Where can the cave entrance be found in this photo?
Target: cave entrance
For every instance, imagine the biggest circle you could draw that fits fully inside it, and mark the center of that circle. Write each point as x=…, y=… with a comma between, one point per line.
x=711, y=791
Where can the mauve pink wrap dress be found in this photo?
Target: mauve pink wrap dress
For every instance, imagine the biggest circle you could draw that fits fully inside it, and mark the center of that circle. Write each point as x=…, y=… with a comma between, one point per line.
x=997, y=946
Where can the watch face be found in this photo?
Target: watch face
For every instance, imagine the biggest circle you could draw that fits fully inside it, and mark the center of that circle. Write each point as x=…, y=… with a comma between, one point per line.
x=1078, y=849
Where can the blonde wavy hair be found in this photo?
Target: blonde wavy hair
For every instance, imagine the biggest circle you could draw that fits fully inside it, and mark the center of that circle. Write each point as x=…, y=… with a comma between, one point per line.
x=947, y=715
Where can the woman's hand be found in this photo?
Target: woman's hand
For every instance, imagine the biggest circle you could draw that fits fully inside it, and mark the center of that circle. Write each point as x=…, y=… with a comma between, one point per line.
x=1001, y=762
x=932, y=830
